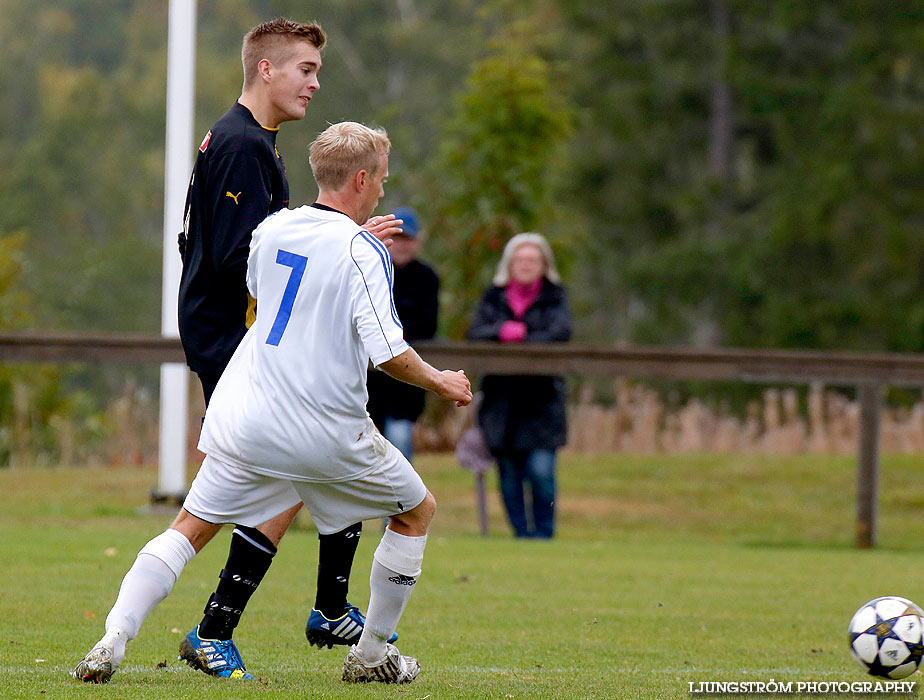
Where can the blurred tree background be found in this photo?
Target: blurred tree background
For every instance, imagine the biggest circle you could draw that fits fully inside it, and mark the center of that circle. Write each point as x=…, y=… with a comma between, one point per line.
x=712, y=172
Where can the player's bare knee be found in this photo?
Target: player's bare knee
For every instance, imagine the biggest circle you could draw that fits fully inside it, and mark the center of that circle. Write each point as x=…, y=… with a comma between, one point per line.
x=430, y=503
x=416, y=521
x=198, y=531
x=425, y=510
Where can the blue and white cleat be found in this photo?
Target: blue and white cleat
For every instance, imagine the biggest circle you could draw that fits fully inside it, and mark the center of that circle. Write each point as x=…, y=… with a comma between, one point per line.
x=216, y=657
x=346, y=629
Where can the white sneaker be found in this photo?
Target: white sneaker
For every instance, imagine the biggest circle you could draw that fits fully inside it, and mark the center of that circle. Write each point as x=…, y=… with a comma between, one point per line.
x=103, y=659
x=391, y=668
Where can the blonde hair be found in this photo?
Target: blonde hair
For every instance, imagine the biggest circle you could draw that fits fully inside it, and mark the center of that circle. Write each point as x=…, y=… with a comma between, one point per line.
x=274, y=40
x=502, y=275
x=342, y=150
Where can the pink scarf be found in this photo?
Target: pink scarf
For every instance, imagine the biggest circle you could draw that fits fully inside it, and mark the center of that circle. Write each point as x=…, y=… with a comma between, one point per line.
x=521, y=296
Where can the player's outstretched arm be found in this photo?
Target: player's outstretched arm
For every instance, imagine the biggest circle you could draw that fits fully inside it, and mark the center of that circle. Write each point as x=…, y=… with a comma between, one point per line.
x=410, y=368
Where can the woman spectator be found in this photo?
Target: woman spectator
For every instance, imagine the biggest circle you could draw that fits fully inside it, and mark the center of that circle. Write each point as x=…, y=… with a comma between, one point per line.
x=523, y=417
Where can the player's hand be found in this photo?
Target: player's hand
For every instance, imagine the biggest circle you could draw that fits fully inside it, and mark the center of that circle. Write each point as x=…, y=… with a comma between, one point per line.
x=384, y=226
x=456, y=387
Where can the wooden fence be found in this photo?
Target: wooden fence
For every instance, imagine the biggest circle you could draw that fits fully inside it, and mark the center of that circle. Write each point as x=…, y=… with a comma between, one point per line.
x=870, y=373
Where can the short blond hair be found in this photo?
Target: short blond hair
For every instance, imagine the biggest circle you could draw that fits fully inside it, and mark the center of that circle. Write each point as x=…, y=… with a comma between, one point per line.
x=274, y=40
x=342, y=150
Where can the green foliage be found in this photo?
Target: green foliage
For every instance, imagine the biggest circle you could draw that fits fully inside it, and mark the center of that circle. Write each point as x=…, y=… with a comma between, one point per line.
x=41, y=419
x=811, y=237
x=14, y=302
x=86, y=172
x=491, y=178
x=805, y=234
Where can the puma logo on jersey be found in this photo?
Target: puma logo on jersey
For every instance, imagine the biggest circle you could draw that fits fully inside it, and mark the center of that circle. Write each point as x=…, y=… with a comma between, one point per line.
x=233, y=196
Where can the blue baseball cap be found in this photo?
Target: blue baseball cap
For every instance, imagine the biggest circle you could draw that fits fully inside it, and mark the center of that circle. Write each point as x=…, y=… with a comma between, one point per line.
x=411, y=226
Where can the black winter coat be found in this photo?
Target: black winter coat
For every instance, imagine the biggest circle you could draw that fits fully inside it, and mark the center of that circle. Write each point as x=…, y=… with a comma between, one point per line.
x=416, y=290
x=523, y=412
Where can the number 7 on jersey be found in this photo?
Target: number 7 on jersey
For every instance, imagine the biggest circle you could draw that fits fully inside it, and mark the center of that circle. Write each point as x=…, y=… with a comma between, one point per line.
x=298, y=264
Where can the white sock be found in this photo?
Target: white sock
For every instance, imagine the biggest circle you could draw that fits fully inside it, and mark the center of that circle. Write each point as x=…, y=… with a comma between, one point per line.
x=396, y=567
x=149, y=581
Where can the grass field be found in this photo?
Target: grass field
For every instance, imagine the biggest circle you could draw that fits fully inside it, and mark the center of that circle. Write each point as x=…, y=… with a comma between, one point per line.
x=666, y=571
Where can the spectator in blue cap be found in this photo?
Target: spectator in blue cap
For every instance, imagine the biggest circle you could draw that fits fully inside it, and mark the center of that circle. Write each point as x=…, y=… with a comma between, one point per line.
x=395, y=406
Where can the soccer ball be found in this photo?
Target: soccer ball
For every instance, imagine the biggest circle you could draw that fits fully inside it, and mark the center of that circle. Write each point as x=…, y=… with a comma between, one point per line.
x=887, y=637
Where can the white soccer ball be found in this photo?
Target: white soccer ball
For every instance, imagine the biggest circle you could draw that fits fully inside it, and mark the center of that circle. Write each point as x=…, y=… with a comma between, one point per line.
x=887, y=637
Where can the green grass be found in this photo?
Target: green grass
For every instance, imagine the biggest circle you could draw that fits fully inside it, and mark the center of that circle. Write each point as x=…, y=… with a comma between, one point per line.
x=667, y=570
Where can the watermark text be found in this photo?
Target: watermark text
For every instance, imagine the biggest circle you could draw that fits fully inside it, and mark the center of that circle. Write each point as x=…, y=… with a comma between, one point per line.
x=774, y=687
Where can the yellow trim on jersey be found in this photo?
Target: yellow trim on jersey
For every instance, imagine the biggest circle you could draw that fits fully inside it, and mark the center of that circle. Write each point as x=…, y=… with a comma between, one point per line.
x=251, y=311
x=269, y=128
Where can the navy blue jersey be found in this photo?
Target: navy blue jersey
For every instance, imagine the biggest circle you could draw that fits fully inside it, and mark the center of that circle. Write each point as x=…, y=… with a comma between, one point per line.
x=239, y=178
x=416, y=290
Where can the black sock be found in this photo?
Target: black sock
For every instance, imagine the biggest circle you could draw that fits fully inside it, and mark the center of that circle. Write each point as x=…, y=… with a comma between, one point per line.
x=335, y=561
x=250, y=556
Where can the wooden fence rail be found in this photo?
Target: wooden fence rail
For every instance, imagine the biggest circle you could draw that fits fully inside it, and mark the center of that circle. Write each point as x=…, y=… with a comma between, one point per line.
x=870, y=373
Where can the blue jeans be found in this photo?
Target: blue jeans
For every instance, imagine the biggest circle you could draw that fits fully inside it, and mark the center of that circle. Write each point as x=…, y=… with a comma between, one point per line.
x=399, y=431
x=536, y=468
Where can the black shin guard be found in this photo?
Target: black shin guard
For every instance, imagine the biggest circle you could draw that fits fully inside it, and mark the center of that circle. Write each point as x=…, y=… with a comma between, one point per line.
x=335, y=561
x=248, y=561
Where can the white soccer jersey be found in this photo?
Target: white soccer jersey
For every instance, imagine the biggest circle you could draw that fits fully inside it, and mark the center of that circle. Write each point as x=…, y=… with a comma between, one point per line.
x=292, y=401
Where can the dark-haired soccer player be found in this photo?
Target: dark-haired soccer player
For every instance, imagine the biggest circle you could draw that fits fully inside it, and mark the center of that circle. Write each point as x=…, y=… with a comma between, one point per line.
x=238, y=179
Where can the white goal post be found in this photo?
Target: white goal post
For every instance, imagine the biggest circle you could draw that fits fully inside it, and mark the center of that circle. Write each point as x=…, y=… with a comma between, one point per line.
x=174, y=377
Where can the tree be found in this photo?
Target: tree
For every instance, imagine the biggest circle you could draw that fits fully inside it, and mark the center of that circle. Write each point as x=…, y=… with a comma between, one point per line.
x=84, y=178
x=491, y=174
x=14, y=302
x=808, y=236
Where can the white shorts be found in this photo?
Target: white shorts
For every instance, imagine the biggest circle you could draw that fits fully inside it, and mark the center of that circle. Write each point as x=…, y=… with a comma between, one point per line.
x=222, y=493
